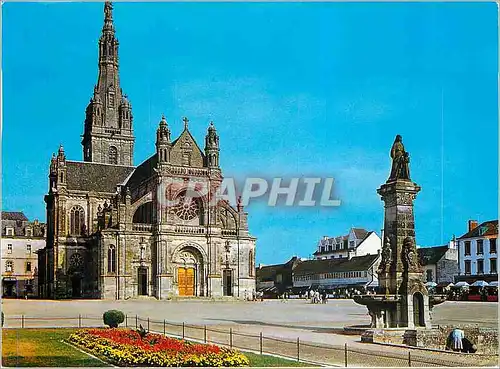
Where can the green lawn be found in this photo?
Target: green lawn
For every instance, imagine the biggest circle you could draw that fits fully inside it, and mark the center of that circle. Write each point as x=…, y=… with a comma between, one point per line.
x=44, y=348
x=266, y=360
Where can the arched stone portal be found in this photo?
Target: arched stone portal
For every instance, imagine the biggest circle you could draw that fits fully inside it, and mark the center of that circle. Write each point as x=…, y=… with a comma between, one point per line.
x=418, y=310
x=189, y=271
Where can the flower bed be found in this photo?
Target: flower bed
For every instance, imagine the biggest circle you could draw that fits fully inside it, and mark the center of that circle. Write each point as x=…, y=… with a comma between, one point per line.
x=125, y=347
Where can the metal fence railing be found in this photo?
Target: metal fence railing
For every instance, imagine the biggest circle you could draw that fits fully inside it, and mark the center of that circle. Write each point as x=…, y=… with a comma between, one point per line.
x=314, y=353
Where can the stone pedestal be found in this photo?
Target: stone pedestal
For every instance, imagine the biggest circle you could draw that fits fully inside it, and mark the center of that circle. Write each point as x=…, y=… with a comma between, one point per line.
x=398, y=336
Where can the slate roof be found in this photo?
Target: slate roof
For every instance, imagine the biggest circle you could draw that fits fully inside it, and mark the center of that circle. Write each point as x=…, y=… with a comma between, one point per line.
x=19, y=222
x=344, y=242
x=357, y=263
x=86, y=176
x=431, y=255
x=267, y=273
x=360, y=233
x=489, y=228
x=142, y=172
x=14, y=215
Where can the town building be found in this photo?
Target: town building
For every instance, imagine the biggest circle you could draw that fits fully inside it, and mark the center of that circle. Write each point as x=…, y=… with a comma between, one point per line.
x=21, y=239
x=439, y=263
x=477, y=252
x=340, y=274
x=358, y=242
x=274, y=280
x=119, y=231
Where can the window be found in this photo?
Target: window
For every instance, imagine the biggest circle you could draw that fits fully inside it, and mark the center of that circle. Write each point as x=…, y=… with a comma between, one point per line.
x=111, y=259
x=479, y=247
x=113, y=155
x=28, y=249
x=9, y=266
x=111, y=100
x=351, y=244
x=251, y=266
x=9, y=248
x=467, y=266
x=493, y=266
x=28, y=266
x=467, y=248
x=493, y=245
x=480, y=266
x=77, y=221
x=10, y=232
x=428, y=274
x=28, y=232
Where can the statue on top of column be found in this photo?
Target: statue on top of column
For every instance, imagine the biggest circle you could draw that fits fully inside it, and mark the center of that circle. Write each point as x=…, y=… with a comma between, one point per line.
x=400, y=160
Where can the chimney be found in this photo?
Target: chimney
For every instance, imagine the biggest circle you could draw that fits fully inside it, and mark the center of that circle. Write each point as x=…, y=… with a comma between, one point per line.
x=472, y=224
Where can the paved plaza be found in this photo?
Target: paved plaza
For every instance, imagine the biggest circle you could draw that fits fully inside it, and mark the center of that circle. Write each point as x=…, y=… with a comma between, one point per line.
x=270, y=313
x=316, y=324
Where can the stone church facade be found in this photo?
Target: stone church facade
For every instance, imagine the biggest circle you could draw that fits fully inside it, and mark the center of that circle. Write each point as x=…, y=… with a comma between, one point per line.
x=118, y=231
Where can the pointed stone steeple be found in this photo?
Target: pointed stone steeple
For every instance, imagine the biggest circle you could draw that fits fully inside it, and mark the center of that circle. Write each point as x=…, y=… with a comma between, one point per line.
x=212, y=147
x=163, y=144
x=108, y=136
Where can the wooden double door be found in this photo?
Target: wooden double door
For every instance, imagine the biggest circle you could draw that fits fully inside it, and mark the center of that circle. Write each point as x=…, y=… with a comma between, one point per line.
x=186, y=281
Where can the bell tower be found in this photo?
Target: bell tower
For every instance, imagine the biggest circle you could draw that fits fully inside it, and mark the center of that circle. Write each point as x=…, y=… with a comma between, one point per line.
x=108, y=135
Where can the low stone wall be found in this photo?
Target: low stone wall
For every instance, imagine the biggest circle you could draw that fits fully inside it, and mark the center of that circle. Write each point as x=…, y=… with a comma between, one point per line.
x=486, y=340
x=395, y=336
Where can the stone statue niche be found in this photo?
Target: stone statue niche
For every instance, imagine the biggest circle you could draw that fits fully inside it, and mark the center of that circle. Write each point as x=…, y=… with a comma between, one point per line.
x=403, y=300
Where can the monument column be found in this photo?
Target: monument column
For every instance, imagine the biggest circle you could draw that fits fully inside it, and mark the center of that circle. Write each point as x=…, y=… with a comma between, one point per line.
x=399, y=271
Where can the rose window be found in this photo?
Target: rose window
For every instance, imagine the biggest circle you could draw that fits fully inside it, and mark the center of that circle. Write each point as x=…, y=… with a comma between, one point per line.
x=76, y=261
x=186, y=208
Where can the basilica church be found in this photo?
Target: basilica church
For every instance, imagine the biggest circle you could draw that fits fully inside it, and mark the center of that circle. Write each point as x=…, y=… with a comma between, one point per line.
x=119, y=231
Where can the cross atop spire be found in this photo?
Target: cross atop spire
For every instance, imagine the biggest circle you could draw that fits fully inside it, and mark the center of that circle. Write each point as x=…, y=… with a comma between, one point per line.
x=186, y=121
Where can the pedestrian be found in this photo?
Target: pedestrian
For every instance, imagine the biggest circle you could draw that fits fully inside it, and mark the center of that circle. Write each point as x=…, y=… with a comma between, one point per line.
x=317, y=297
x=455, y=339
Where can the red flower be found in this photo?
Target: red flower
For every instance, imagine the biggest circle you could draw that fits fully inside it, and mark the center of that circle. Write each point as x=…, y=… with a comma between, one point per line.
x=152, y=342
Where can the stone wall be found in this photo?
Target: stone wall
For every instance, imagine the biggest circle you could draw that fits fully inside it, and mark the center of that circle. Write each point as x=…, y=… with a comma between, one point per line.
x=447, y=267
x=486, y=340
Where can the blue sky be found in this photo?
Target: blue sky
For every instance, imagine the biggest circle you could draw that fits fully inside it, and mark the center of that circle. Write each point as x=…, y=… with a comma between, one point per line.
x=294, y=89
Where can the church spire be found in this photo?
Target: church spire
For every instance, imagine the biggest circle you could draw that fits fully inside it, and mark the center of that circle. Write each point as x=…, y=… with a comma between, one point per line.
x=108, y=136
x=108, y=44
x=108, y=17
x=212, y=147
